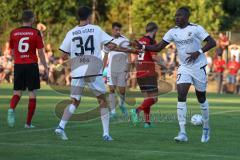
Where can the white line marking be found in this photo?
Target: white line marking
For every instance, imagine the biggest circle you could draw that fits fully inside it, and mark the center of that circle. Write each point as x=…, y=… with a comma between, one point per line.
x=139, y=151
x=76, y=126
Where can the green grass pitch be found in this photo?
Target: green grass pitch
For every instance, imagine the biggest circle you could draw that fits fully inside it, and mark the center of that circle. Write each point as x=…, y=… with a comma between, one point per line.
x=130, y=143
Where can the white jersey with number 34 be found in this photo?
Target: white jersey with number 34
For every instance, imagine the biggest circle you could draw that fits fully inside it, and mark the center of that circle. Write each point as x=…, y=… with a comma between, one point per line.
x=83, y=44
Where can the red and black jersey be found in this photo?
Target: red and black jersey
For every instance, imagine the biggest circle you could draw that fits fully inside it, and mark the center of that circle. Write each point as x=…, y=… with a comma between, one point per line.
x=24, y=41
x=145, y=64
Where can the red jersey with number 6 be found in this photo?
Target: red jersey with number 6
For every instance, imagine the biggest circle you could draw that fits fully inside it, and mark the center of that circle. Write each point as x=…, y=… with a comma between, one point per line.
x=145, y=63
x=24, y=41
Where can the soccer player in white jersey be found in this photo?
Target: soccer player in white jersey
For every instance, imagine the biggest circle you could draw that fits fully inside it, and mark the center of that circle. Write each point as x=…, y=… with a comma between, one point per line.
x=83, y=45
x=188, y=38
x=118, y=69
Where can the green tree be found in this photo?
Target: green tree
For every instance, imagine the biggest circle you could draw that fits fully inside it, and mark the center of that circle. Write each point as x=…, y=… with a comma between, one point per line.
x=231, y=20
x=204, y=12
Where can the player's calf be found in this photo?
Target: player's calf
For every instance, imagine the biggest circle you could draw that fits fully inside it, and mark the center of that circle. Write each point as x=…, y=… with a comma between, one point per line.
x=104, y=112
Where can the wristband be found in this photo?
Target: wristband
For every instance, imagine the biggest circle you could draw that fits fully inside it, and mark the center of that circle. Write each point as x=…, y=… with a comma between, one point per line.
x=200, y=51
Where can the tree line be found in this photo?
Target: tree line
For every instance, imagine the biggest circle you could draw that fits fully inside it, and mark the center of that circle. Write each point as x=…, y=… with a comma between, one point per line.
x=60, y=15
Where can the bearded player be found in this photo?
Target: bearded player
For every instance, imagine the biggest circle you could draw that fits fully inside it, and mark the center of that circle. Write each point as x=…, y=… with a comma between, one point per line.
x=188, y=38
x=118, y=69
x=24, y=41
x=146, y=76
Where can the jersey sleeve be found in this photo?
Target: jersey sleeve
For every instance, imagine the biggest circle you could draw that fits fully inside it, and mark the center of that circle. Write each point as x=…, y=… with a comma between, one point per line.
x=104, y=37
x=39, y=41
x=201, y=33
x=125, y=43
x=66, y=44
x=168, y=36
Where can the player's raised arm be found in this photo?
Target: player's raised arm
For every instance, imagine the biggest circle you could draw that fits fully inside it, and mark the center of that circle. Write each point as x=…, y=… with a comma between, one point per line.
x=158, y=47
x=154, y=48
x=120, y=48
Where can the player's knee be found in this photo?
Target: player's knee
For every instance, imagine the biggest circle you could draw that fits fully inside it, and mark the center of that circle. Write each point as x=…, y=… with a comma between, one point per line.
x=32, y=95
x=18, y=93
x=182, y=98
x=201, y=96
x=111, y=90
x=155, y=99
x=75, y=102
x=102, y=101
x=201, y=99
x=122, y=92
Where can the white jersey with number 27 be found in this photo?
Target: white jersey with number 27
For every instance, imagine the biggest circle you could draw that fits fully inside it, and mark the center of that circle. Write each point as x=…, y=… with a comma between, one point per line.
x=188, y=40
x=84, y=44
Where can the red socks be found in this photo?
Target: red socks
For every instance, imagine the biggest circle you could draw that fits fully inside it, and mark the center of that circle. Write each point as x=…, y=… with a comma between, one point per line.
x=147, y=114
x=31, y=110
x=31, y=107
x=14, y=101
x=145, y=106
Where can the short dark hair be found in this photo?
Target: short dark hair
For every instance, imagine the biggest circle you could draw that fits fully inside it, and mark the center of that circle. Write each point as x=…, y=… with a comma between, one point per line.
x=116, y=24
x=27, y=16
x=186, y=10
x=84, y=12
x=151, y=26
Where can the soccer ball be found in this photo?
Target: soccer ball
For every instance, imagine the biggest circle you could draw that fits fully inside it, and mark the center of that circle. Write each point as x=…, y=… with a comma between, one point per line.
x=196, y=120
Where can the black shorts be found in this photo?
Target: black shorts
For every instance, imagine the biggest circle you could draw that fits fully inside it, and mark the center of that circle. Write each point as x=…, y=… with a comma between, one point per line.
x=148, y=84
x=26, y=76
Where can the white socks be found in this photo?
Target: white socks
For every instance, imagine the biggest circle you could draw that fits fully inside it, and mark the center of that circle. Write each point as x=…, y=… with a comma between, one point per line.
x=205, y=114
x=181, y=113
x=105, y=120
x=69, y=110
x=112, y=102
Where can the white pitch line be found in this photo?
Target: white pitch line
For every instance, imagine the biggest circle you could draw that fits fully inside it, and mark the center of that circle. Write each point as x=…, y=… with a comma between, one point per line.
x=52, y=128
x=139, y=151
x=48, y=129
x=222, y=112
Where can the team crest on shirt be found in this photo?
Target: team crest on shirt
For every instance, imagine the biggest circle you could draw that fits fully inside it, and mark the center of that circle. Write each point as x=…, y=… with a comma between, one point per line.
x=189, y=34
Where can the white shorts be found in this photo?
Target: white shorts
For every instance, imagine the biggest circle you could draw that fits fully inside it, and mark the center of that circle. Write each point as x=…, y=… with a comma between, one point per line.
x=196, y=76
x=96, y=84
x=117, y=79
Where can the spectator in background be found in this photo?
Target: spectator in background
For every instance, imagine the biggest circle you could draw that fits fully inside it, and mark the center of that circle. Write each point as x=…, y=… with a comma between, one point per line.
x=218, y=67
x=210, y=63
x=168, y=60
x=1, y=69
x=223, y=43
x=6, y=50
x=57, y=73
x=133, y=79
x=49, y=54
x=41, y=71
x=238, y=83
x=41, y=27
x=6, y=68
x=234, y=51
x=232, y=69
